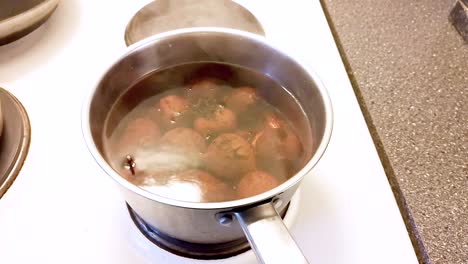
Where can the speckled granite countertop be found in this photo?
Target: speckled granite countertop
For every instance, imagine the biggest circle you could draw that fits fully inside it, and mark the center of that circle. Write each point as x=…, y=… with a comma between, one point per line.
x=409, y=68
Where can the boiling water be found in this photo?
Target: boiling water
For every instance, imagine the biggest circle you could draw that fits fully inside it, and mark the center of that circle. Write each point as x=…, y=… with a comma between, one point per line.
x=205, y=132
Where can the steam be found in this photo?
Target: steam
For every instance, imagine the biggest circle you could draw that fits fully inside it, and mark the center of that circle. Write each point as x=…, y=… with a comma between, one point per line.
x=165, y=159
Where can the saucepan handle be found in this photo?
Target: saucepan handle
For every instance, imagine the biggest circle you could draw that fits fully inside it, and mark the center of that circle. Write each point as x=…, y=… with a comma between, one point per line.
x=268, y=236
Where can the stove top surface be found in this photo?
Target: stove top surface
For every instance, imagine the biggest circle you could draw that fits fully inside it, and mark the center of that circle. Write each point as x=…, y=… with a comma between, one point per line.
x=63, y=209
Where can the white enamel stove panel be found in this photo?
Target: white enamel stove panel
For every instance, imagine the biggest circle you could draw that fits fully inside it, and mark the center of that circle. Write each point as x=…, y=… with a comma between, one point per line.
x=63, y=209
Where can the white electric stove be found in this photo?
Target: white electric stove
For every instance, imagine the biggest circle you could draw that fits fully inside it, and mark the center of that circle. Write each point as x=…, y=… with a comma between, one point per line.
x=63, y=209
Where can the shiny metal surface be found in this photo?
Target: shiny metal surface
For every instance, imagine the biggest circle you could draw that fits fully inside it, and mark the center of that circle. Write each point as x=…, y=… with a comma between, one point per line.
x=187, y=249
x=190, y=224
x=19, y=18
x=15, y=139
x=198, y=222
x=1, y=119
x=165, y=15
x=268, y=236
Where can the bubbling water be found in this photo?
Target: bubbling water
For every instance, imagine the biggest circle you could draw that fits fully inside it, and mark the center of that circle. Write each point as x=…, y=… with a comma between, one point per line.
x=205, y=132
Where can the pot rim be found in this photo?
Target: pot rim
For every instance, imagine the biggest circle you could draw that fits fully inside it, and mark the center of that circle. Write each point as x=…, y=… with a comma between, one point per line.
x=22, y=20
x=86, y=129
x=32, y=9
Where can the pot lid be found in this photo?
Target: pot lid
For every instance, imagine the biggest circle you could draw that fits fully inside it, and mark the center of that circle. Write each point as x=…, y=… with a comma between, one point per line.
x=165, y=15
x=14, y=139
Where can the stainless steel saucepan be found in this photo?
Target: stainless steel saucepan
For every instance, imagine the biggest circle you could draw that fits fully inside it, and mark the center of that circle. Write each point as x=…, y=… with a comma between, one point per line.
x=209, y=223
x=20, y=17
